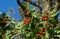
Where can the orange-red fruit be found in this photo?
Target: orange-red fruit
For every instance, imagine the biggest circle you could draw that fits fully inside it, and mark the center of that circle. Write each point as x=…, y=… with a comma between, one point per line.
x=26, y=20
x=46, y=18
x=41, y=30
x=28, y=12
x=47, y=12
x=55, y=35
x=43, y=33
x=43, y=18
x=38, y=35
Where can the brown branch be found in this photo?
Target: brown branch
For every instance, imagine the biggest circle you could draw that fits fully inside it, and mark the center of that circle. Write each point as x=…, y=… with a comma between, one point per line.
x=58, y=5
x=35, y=4
x=58, y=8
x=21, y=5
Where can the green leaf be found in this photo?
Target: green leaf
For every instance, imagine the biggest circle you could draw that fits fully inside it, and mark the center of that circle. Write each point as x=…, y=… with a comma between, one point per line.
x=32, y=8
x=27, y=5
x=58, y=35
x=47, y=35
x=0, y=32
x=53, y=14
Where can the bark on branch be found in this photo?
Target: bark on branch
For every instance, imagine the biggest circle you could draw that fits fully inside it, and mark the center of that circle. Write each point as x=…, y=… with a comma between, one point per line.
x=21, y=5
x=34, y=3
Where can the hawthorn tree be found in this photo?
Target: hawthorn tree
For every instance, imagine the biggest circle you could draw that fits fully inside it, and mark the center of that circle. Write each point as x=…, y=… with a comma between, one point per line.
x=42, y=23
x=39, y=21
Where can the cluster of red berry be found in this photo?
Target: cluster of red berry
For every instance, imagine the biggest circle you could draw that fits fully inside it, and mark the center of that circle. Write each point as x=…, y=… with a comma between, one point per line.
x=27, y=20
x=42, y=32
x=45, y=18
x=54, y=35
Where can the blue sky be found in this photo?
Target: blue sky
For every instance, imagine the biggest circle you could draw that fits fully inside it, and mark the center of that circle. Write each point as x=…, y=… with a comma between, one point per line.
x=5, y=4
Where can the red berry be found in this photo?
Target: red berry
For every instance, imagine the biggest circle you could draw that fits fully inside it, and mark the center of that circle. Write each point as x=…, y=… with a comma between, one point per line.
x=55, y=35
x=43, y=18
x=46, y=18
x=28, y=12
x=41, y=30
x=37, y=35
x=26, y=20
x=44, y=33
x=47, y=12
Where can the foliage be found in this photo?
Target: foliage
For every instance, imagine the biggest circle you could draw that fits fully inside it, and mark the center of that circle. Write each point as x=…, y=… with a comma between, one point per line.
x=33, y=25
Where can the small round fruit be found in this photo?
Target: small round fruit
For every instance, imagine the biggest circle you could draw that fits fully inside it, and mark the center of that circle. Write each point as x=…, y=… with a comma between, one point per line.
x=44, y=33
x=28, y=12
x=41, y=29
x=46, y=18
x=43, y=18
x=47, y=12
x=55, y=36
x=37, y=35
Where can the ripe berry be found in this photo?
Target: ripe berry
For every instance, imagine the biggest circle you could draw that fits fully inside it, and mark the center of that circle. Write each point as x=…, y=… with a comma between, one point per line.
x=43, y=33
x=47, y=13
x=37, y=35
x=27, y=20
x=55, y=36
x=28, y=12
x=41, y=29
x=46, y=18
x=43, y=18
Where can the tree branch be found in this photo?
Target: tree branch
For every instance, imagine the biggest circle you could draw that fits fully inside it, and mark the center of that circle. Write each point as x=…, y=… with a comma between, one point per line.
x=21, y=5
x=58, y=5
x=35, y=4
